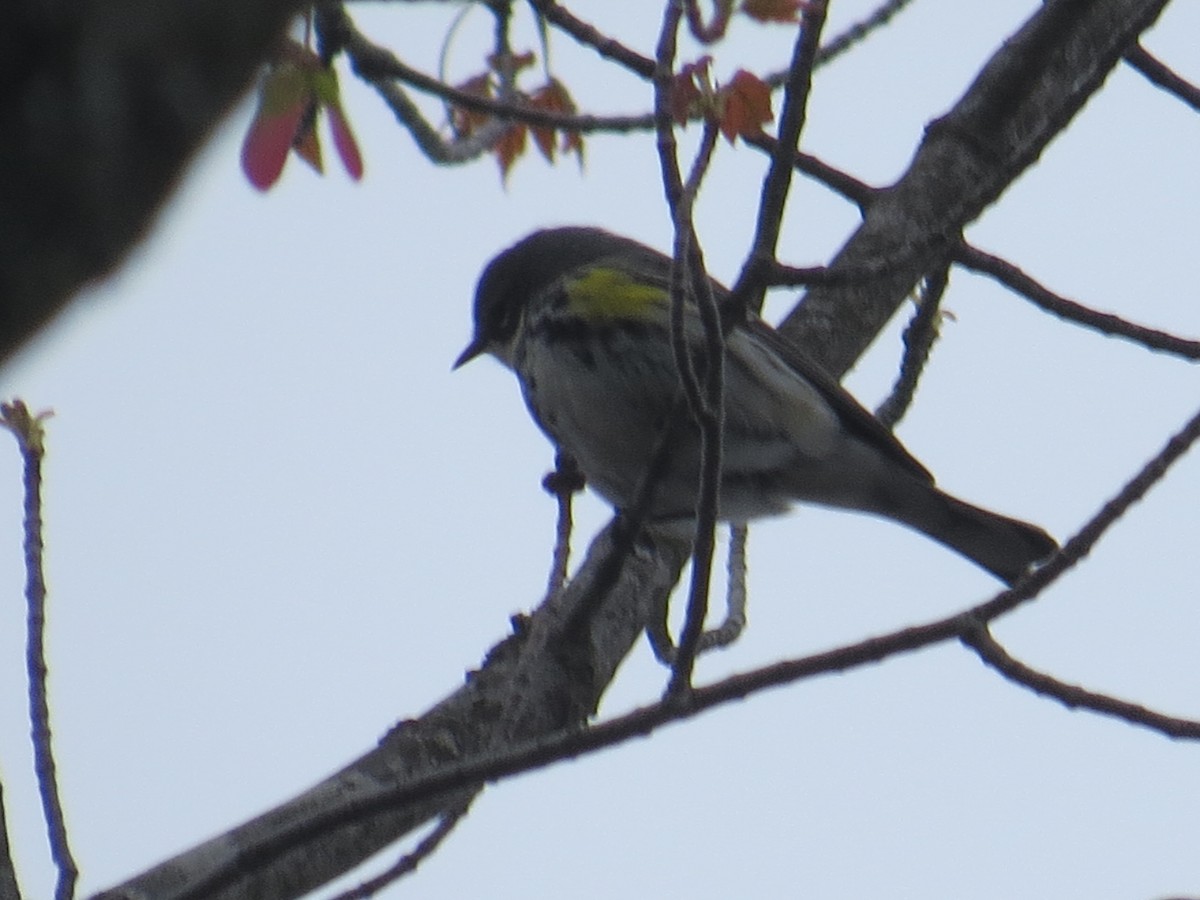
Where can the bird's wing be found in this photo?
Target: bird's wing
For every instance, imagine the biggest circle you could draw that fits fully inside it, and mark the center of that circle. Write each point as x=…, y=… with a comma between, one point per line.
x=653, y=267
x=854, y=417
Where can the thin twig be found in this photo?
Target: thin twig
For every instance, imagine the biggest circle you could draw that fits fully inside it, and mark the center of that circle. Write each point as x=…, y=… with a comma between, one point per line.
x=735, y=594
x=658, y=633
x=713, y=31
x=981, y=640
x=563, y=19
x=664, y=74
x=30, y=434
x=563, y=483
x=376, y=64
x=689, y=281
x=675, y=193
x=919, y=337
x=711, y=419
x=711, y=415
x=857, y=32
x=858, y=192
x=750, y=289
x=1016, y=280
x=408, y=863
x=628, y=525
x=1081, y=544
x=336, y=32
x=1165, y=78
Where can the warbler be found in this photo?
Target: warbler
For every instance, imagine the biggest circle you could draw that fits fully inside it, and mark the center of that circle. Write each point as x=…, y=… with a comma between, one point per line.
x=582, y=317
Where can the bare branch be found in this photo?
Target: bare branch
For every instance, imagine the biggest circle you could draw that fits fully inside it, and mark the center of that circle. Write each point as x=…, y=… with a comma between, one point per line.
x=1072, y=696
x=750, y=288
x=1080, y=545
x=30, y=434
x=1016, y=280
x=859, y=31
x=843, y=183
x=1028, y=92
x=563, y=483
x=919, y=336
x=81, y=182
x=379, y=66
x=689, y=283
x=561, y=18
x=408, y=863
x=1158, y=73
x=545, y=678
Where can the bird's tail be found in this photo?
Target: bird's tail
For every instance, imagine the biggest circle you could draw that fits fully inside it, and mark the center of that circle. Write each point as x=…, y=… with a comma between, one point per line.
x=1005, y=547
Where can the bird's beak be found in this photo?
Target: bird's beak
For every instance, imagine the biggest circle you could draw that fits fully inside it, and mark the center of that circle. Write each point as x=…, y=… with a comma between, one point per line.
x=474, y=349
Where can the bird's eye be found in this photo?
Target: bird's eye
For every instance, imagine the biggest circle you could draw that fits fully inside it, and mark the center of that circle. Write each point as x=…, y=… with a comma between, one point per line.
x=504, y=320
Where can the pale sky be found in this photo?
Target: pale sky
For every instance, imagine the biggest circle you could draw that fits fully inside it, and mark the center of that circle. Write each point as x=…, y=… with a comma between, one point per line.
x=277, y=523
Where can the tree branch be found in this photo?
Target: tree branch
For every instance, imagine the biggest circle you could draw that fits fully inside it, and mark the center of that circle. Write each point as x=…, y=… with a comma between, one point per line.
x=28, y=429
x=547, y=679
x=563, y=19
x=919, y=337
x=1072, y=696
x=1158, y=73
x=408, y=863
x=97, y=133
x=1028, y=92
x=1017, y=280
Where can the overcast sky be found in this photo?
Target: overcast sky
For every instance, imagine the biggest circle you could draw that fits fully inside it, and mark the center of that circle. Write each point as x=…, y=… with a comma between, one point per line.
x=277, y=523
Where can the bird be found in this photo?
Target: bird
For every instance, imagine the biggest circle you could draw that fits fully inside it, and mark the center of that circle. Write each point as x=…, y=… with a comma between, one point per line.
x=582, y=317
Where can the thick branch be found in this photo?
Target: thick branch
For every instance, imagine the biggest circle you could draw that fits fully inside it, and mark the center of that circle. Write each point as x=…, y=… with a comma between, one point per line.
x=545, y=678
x=101, y=106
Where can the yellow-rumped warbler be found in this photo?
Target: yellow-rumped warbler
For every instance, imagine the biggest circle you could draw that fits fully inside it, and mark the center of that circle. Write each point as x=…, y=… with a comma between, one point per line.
x=582, y=317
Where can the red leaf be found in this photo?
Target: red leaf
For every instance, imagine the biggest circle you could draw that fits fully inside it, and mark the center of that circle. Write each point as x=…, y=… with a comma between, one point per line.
x=689, y=88
x=464, y=122
x=773, y=10
x=344, y=142
x=509, y=147
x=746, y=106
x=265, y=148
x=572, y=142
x=684, y=97
x=282, y=101
x=554, y=97
x=518, y=61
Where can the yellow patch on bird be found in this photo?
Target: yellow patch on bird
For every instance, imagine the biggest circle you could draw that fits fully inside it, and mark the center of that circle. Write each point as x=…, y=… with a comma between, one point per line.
x=601, y=293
